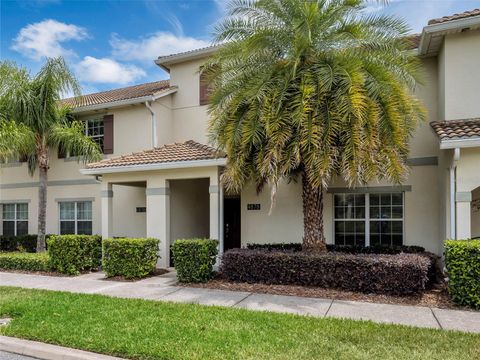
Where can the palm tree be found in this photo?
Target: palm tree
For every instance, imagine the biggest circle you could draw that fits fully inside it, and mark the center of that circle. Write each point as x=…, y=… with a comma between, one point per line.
x=33, y=122
x=312, y=88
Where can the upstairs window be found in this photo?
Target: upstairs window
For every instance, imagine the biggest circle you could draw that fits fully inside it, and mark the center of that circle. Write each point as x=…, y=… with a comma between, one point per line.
x=94, y=129
x=369, y=219
x=15, y=219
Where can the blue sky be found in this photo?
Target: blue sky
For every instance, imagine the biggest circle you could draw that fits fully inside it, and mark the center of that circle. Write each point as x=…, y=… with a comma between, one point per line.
x=112, y=43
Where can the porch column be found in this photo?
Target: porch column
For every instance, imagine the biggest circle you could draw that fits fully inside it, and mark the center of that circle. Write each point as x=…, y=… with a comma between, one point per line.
x=107, y=210
x=158, y=218
x=214, y=208
x=463, y=201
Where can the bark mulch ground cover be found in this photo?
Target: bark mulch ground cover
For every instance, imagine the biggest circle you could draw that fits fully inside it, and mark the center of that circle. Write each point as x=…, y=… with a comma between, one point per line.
x=437, y=296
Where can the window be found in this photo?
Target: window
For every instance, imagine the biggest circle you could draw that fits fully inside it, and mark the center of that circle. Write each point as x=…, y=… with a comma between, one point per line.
x=15, y=219
x=76, y=217
x=94, y=128
x=368, y=219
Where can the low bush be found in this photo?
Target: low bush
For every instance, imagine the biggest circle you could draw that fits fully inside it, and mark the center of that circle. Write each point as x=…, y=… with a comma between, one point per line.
x=129, y=257
x=194, y=259
x=27, y=243
x=72, y=254
x=462, y=260
x=399, y=274
x=24, y=261
x=376, y=249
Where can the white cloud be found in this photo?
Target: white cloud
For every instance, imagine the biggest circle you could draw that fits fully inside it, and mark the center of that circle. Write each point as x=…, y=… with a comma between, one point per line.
x=107, y=71
x=45, y=38
x=153, y=46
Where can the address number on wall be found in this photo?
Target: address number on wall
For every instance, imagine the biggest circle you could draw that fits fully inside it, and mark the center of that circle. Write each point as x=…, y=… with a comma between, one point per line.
x=253, y=206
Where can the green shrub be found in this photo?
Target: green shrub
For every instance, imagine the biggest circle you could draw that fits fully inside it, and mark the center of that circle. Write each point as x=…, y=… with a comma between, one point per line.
x=24, y=261
x=194, y=259
x=462, y=259
x=130, y=258
x=27, y=243
x=72, y=254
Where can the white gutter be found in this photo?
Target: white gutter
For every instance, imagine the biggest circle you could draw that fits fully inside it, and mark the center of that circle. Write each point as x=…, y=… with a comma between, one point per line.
x=154, y=124
x=444, y=28
x=460, y=143
x=453, y=190
x=159, y=166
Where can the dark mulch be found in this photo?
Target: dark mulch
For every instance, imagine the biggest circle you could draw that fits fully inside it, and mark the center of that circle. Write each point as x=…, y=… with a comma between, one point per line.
x=437, y=296
x=156, y=272
x=45, y=273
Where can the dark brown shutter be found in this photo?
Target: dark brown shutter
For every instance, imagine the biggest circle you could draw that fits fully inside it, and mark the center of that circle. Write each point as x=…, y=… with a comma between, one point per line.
x=108, y=134
x=204, y=91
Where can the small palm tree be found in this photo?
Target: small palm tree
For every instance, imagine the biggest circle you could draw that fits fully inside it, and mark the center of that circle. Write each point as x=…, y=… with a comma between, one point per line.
x=33, y=122
x=314, y=88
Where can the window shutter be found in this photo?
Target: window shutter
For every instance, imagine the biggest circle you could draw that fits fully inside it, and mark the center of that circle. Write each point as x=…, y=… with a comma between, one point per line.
x=204, y=91
x=108, y=134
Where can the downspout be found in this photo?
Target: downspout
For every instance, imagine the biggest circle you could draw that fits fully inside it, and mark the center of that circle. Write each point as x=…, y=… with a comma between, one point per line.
x=453, y=190
x=154, y=124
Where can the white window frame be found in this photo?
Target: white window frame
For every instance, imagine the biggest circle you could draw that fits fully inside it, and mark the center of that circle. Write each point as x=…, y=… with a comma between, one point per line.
x=75, y=220
x=91, y=120
x=367, y=218
x=15, y=220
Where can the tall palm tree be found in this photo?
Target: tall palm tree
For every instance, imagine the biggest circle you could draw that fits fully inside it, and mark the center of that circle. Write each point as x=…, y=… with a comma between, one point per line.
x=33, y=122
x=312, y=88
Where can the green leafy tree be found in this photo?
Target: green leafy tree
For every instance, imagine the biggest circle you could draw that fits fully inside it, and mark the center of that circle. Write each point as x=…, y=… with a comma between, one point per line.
x=316, y=89
x=34, y=123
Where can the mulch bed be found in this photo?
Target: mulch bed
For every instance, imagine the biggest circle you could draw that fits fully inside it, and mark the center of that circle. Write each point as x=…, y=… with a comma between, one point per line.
x=436, y=297
x=156, y=272
x=44, y=273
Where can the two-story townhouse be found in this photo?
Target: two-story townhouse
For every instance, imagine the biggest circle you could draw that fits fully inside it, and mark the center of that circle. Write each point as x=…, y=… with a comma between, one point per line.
x=160, y=179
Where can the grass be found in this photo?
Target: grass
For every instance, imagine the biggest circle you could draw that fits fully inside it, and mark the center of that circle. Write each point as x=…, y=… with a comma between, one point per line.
x=141, y=329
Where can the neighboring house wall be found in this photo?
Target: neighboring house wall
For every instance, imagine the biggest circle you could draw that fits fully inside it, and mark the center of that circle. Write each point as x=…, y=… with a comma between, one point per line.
x=476, y=213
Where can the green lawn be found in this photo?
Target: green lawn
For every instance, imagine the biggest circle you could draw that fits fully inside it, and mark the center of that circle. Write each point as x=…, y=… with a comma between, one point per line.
x=153, y=330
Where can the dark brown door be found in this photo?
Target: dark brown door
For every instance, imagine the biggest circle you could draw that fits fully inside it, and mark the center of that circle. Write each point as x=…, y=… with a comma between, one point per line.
x=231, y=223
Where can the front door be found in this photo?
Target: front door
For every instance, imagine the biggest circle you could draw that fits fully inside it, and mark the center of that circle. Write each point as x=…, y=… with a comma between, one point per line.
x=231, y=223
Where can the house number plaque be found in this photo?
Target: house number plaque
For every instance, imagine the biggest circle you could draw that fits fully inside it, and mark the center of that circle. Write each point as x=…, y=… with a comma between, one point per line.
x=253, y=206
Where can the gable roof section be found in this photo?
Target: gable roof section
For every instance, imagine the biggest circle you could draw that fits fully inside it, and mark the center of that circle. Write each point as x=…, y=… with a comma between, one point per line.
x=121, y=94
x=457, y=133
x=459, y=16
x=168, y=155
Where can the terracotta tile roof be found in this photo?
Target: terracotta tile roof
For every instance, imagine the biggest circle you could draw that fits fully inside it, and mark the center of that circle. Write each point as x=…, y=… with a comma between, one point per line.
x=186, y=151
x=463, y=15
x=130, y=92
x=457, y=129
x=414, y=40
x=193, y=51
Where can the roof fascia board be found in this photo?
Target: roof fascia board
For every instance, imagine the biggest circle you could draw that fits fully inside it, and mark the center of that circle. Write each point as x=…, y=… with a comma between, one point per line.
x=460, y=143
x=165, y=62
x=444, y=28
x=125, y=102
x=160, y=166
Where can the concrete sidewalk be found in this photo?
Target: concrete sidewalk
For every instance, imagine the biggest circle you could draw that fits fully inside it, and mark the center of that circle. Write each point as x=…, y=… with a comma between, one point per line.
x=162, y=288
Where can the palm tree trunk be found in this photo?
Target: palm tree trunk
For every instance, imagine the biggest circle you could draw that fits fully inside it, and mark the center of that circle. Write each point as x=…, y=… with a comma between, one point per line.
x=42, y=200
x=313, y=237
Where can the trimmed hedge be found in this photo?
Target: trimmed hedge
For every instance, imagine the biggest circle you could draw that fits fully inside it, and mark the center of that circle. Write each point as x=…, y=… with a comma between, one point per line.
x=22, y=243
x=194, y=259
x=72, y=254
x=129, y=257
x=462, y=260
x=24, y=261
x=399, y=274
x=376, y=249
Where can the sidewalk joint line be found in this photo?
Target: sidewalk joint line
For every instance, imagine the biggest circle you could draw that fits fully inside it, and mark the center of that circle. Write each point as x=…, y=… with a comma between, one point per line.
x=239, y=301
x=329, y=307
x=435, y=317
x=173, y=292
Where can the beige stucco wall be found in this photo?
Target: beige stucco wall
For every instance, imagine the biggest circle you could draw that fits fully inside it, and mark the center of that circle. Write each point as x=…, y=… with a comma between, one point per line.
x=189, y=209
x=126, y=221
x=462, y=79
x=285, y=224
